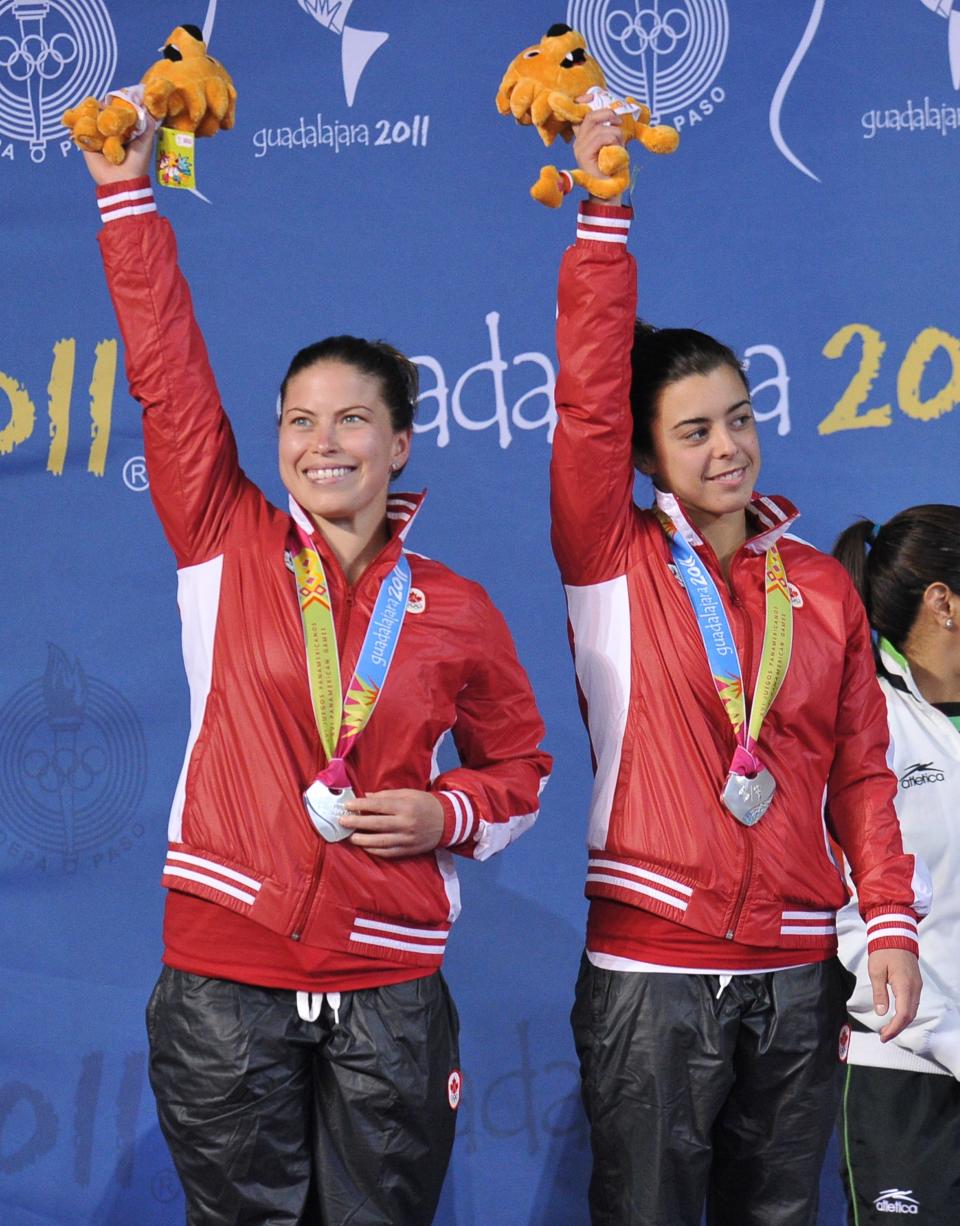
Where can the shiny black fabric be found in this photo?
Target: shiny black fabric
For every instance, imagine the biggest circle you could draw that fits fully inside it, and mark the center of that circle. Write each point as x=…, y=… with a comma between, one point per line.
x=900, y=1147
x=274, y=1121
x=698, y=1096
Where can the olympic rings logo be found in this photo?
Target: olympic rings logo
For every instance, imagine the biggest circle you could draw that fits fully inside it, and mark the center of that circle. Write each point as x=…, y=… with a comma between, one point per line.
x=664, y=53
x=52, y=54
x=65, y=768
x=647, y=30
x=73, y=762
x=35, y=55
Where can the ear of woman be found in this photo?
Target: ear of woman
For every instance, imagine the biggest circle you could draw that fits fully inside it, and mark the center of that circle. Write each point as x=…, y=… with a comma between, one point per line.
x=942, y=604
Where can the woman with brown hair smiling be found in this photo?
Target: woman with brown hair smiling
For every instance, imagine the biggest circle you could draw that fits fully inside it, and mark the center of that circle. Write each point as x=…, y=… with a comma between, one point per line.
x=303, y=1044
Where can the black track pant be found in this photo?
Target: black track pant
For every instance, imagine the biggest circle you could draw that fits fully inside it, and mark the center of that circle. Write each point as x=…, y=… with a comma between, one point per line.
x=700, y=1096
x=900, y=1147
x=273, y=1120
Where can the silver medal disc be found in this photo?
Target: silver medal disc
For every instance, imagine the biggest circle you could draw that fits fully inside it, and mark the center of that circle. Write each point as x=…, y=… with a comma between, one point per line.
x=325, y=807
x=748, y=799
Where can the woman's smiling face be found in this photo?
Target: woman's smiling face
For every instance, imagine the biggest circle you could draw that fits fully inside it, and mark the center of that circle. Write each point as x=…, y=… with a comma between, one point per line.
x=337, y=444
x=705, y=446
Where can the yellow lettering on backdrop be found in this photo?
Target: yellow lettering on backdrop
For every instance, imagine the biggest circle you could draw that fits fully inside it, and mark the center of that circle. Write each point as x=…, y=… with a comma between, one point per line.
x=22, y=414
x=101, y=405
x=59, y=391
x=844, y=415
x=911, y=375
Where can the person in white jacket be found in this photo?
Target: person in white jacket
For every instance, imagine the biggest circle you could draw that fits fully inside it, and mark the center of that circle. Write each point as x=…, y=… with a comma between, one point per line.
x=900, y=1116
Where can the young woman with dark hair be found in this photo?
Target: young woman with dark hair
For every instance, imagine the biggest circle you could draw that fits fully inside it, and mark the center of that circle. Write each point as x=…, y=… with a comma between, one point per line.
x=900, y=1118
x=727, y=682
x=303, y=1044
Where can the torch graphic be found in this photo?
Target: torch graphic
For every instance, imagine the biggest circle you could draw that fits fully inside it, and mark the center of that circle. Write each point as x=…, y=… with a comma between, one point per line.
x=65, y=694
x=35, y=60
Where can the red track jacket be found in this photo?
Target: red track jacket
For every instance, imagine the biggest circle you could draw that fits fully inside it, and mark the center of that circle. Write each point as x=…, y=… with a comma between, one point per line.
x=659, y=836
x=239, y=835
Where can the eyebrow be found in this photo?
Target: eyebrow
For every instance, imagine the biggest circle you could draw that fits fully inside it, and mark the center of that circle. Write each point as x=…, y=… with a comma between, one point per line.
x=347, y=408
x=702, y=421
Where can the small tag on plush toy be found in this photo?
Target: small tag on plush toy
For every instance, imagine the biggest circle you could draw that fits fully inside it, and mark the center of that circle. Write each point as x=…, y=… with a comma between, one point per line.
x=176, y=159
x=599, y=98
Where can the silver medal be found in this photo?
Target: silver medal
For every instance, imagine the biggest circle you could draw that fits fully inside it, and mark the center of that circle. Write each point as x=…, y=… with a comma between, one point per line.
x=325, y=807
x=748, y=799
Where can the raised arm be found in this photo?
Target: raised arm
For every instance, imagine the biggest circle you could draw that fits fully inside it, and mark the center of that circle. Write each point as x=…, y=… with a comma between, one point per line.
x=592, y=469
x=195, y=478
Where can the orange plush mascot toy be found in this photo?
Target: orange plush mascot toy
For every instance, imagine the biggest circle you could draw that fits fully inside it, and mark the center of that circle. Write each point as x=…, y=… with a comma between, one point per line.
x=541, y=87
x=187, y=90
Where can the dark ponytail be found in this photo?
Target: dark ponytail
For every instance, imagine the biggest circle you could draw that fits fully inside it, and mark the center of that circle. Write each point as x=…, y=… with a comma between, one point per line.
x=893, y=564
x=851, y=550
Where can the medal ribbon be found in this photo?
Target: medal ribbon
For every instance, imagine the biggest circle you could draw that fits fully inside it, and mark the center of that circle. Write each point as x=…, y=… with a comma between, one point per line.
x=721, y=649
x=340, y=718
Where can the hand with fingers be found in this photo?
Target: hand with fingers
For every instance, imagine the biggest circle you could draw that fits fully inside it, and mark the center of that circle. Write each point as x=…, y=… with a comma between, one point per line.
x=895, y=971
x=393, y=824
x=599, y=132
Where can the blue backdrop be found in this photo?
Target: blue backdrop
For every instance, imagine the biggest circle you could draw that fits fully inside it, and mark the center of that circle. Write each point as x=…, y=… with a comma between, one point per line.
x=370, y=186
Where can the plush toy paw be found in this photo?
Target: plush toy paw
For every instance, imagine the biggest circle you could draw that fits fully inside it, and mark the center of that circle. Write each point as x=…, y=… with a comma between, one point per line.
x=605, y=188
x=548, y=189
x=189, y=90
x=102, y=128
x=117, y=119
x=612, y=160
x=82, y=122
x=659, y=139
x=96, y=128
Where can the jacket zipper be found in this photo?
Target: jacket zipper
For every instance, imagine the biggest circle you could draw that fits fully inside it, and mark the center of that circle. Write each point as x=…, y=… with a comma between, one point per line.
x=311, y=895
x=744, y=885
x=317, y=873
x=743, y=619
x=746, y=662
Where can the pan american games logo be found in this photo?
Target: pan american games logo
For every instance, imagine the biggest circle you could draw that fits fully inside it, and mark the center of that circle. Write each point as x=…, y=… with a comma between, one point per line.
x=52, y=53
x=73, y=766
x=665, y=53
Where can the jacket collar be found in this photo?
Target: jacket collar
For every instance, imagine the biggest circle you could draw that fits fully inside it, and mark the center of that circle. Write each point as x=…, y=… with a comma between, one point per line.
x=401, y=512
x=896, y=669
x=774, y=514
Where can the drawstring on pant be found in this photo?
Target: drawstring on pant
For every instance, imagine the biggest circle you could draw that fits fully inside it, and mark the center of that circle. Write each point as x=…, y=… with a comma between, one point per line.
x=309, y=1005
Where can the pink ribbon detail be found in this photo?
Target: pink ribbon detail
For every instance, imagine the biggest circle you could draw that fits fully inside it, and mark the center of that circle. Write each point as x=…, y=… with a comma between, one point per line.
x=334, y=774
x=745, y=763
